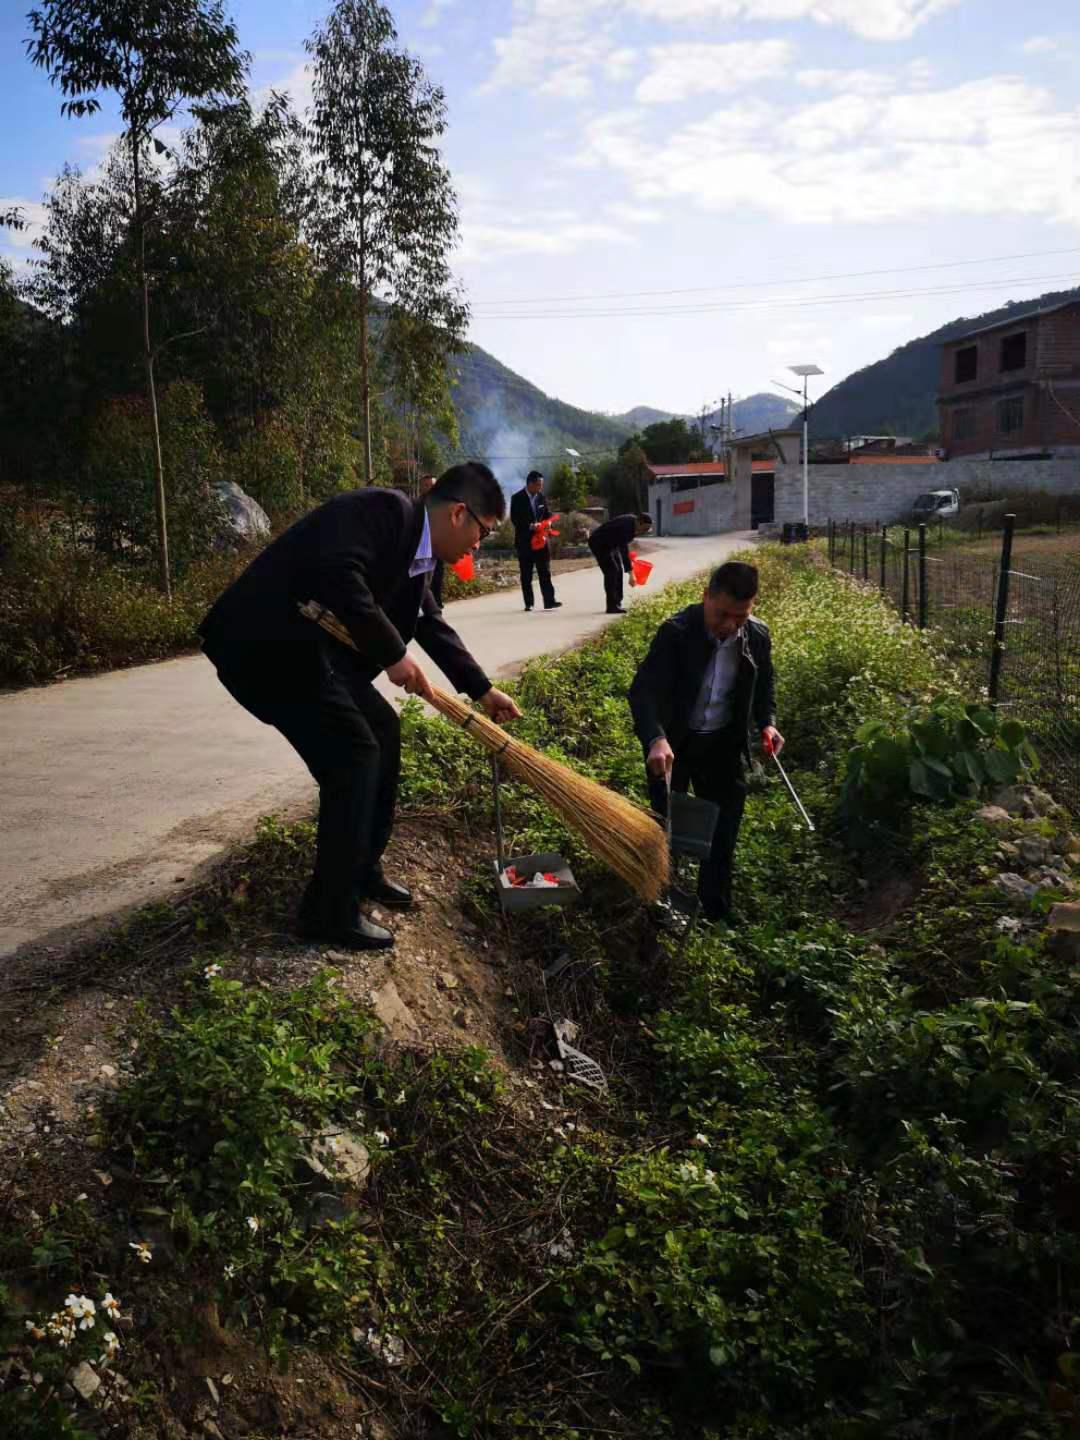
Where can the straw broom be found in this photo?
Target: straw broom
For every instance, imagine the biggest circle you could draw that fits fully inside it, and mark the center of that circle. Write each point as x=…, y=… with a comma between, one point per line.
x=623, y=835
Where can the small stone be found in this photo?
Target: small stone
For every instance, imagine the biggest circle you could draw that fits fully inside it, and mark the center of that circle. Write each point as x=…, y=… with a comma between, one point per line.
x=993, y=815
x=446, y=980
x=1009, y=925
x=108, y=1071
x=84, y=1380
x=1014, y=886
x=557, y=1066
x=1009, y=850
x=463, y=1018
x=213, y=1390
x=1033, y=851
x=339, y=957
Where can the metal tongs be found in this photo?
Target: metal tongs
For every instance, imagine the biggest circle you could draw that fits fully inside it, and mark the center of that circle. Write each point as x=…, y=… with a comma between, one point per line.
x=770, y=750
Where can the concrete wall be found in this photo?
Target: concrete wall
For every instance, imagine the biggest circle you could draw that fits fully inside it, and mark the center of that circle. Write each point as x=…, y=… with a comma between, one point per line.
x=858, y=492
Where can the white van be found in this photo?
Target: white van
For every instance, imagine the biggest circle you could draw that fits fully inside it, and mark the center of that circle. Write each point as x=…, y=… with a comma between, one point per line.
x=935, y=505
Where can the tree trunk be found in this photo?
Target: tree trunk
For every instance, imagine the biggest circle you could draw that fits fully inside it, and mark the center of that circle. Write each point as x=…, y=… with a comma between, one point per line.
x=151, y=388
x=365, y=366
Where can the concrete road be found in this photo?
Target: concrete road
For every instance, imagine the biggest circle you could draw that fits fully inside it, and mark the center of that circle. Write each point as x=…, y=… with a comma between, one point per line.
x=116, y=788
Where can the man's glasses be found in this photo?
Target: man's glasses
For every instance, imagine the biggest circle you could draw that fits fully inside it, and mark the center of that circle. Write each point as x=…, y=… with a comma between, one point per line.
x=485, y=530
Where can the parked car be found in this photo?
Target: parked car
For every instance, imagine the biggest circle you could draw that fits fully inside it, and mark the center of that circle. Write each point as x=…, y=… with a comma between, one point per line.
x=935, y=505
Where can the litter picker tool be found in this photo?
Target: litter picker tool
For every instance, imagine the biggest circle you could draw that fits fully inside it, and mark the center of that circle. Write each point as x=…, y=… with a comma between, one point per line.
x=770, y=750
x=624, y=836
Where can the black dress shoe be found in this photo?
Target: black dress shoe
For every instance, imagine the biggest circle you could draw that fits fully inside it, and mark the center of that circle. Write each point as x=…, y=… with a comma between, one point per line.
x=555, y=605
x=385, y=892
x=364, y=935
x=528, y=609
x=615, y=610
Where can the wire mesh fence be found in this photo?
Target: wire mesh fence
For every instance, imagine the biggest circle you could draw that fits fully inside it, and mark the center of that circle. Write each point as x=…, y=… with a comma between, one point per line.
x=1010, y=620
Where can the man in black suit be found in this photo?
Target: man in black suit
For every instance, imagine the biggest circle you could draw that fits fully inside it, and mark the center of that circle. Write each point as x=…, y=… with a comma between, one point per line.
x=610, y=544
x=708, y=677
x=368, y=556
x=527, y=508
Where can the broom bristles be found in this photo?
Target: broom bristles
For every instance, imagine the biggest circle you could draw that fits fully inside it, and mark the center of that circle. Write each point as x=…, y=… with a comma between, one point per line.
x=618, y=832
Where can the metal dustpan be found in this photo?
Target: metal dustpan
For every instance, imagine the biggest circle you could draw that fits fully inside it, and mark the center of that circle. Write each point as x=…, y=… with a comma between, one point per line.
x=691, y=824
x=579, y=1066
x=517, y=898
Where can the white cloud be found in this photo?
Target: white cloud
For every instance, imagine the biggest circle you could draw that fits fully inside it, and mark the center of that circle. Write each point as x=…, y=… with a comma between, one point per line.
x=915, y=74
x=634, y=214
x=995, y=147
x=494, y=240
x=680, y=71
x=869, y=19
x=1040, y=45
x=434, y=13
x=556, y=47
x=34, y=215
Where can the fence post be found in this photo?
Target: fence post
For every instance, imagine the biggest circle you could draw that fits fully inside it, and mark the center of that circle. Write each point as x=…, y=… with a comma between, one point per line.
x=906, y=573
x=1001, y=608
x=832, y=552
x=851, y=547
x=922, y=577
x=884, y=543
x=866, y=553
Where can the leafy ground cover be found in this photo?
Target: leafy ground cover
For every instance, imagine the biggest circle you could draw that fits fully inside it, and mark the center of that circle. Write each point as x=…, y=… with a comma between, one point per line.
x=830, y=1191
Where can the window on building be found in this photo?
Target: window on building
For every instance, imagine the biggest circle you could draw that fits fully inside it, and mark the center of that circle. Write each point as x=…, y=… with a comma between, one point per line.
x=963, y=425
x=967, y=363
x=1010, y=415
x=1014, y=351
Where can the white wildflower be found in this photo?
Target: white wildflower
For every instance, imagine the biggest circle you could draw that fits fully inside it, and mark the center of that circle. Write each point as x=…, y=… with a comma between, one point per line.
x=111, y=1305
x=36, y=1332
x=82, y=1309
x=381, y=1137
x=688, y=1172
x=143, y=1251
x=390, y=1349
x=212, y=971
x=400, y=1100
x=112, y=1344
x=230, y=1270
x=253, y=1223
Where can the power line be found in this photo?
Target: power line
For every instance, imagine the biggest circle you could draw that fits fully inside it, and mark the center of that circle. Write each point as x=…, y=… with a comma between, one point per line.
x=793, y=302
x=763, y=284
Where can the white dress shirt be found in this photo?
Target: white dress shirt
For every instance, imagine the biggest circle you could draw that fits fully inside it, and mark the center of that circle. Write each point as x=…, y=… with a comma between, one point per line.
x=423, y=560
x=712, y=709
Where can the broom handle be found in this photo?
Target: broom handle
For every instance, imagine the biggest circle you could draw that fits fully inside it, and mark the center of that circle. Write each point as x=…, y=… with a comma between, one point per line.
x=312, y=610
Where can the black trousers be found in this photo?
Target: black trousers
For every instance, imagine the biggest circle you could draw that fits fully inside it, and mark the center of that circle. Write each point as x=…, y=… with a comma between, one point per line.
x=713, y=767
x=540, y=560
x=349, y=737
x=610, y=562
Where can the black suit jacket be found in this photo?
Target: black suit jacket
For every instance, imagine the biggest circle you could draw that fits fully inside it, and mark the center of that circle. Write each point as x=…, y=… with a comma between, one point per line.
x=668, y=681
x=352, y=554
x=522, y=517
x=618, y=534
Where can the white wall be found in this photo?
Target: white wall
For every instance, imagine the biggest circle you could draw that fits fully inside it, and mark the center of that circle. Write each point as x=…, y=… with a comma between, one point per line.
x=859, y=492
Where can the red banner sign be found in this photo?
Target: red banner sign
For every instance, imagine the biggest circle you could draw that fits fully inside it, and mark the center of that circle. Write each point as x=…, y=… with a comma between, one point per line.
x=682, y=507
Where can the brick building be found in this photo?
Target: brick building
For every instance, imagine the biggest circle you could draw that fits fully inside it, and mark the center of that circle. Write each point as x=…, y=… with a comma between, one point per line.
x=1013, y=388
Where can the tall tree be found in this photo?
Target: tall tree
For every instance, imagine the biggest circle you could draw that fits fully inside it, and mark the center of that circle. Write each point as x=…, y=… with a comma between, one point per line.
x=387, y=212
x=153, y=55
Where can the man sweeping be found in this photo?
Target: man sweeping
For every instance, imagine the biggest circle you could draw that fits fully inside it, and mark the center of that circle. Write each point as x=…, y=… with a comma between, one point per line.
x=610, y=544
x=368, y=556
x=528, y=510
x=708, y=677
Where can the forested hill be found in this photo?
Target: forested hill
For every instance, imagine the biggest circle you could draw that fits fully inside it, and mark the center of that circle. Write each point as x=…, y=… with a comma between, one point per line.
x=899, y=394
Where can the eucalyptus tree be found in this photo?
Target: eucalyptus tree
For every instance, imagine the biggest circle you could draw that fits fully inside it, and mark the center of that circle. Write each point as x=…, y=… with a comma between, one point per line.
x=386, y=212
x=154, y=55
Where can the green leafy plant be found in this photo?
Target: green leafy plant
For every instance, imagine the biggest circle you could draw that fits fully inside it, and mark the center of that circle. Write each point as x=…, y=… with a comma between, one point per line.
x=932, y=752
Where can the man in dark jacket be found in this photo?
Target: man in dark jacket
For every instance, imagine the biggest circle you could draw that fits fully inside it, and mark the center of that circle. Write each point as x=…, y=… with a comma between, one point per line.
x=707, y=679
x=610, y=544
x=528, y=508
x=368, y=556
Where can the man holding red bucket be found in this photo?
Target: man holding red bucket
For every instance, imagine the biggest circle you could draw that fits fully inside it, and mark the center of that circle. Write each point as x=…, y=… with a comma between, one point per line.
x=610, y=545
x=531, y=517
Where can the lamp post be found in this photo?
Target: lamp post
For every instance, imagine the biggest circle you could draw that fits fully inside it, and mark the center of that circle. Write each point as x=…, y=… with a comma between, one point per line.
x=804, y=372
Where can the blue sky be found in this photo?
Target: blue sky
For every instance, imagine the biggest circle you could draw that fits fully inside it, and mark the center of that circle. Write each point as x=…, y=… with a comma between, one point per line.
x=663, y=200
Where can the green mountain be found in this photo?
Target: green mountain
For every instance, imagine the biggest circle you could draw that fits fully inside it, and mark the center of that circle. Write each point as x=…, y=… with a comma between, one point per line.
x=515, y=427
x=897, y=395
x=509, y=422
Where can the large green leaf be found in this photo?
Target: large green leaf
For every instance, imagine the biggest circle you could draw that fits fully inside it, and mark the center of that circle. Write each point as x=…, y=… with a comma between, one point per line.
x=1002, y=766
